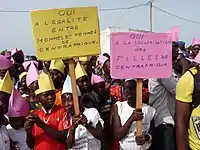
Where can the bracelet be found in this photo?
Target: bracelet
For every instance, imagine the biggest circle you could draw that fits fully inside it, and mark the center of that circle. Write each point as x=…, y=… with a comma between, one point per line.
x=150, y=137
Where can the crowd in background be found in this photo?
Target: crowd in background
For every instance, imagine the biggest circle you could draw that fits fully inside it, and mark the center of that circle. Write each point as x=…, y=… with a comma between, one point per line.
x=37, y=112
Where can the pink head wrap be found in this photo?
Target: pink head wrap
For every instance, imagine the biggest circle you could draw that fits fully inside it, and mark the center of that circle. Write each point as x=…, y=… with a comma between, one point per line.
x=18, y=106
x=96, y=79
x=32, y=74
x=27, y=63
x=195, y=41
x=4, y=62
x=175, y=33
x=102, y=59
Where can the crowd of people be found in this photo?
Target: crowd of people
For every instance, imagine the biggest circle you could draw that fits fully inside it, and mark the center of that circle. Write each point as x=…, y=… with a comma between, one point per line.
x=37, y=109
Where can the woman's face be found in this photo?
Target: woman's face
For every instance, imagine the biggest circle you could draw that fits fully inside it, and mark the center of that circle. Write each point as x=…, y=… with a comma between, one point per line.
x=67, y=102
x=195, y=51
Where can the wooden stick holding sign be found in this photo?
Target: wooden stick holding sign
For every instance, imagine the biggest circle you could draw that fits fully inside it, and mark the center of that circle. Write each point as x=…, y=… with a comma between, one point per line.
x=139, y=104
x=74, y=86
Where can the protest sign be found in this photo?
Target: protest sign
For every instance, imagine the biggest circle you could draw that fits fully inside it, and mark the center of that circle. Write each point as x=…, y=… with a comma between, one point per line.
x=141, y=55
x=65, y=33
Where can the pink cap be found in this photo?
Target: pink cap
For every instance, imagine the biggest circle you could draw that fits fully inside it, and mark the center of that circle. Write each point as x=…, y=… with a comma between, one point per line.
x=18, y=106
x=175, y=33
x=27, y=63
x=102, y=59
x=195, y=41
x=32, y=74
x=96, y=79
x=4, y=62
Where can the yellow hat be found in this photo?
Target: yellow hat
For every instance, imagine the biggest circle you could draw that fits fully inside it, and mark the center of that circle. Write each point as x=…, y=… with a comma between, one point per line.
x=22, y=75
x=80, y=71
x=6, y=85
x=83, y=59
x=58, y=65
x=45, y=83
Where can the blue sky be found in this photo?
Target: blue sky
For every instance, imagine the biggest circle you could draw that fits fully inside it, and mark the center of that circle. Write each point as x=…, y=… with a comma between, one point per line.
x=15, y=28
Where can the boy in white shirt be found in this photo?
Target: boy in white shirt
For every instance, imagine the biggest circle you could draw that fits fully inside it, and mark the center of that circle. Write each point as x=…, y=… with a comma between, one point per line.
x=125, y=116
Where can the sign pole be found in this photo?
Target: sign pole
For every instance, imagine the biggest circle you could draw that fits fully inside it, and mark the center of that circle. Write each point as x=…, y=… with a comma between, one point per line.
x=74, y=87
x=139, y=105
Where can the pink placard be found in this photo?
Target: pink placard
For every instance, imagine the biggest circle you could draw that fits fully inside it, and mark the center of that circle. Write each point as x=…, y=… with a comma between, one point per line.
x=141, y=55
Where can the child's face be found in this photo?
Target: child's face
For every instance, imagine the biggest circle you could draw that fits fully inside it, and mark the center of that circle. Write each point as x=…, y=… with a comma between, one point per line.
x=130, y=91
x=4, y=100
x=99, y=87
x=83, y=83
x=67, y=102
x=57, y=77
x=47, y=99
x=17, y=122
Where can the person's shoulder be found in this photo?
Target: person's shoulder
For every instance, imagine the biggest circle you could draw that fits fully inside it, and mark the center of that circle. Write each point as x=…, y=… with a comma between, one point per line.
x=188, y=74
x=148, y=108
x=58, y=108
x=91, y=110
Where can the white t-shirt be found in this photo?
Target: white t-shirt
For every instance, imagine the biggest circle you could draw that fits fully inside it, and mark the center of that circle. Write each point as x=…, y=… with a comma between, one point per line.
x=124, y=112
x=83, y=138
x=18, y=136
x=4, y=139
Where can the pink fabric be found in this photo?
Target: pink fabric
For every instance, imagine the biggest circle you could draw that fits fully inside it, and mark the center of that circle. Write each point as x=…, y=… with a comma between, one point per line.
x=27, y=63
x=102, y=59
x=18, y=106
x=175, y=33
x=32, y=74
x=4, y=62
x=96, y=79
x=7, y=54
x=195, y=41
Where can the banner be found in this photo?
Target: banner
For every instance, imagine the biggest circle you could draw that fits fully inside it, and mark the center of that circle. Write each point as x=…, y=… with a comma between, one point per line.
x=63, y=33
x=141, y=55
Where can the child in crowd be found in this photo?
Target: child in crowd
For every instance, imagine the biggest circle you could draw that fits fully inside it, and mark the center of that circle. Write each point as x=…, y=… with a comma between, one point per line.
x=125, y=116
x=17, y=112
x=86, y=130
x=43, y=125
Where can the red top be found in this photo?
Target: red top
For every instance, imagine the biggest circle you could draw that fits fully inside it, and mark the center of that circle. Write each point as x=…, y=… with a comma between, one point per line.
x=55, y=120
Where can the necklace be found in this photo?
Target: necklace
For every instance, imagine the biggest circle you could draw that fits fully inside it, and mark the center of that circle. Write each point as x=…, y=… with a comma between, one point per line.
x=46, y=120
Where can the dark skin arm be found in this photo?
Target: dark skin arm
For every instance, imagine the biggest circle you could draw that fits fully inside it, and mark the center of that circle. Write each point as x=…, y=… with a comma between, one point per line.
x=70, y=139
x=30, y=141
x=121, y=131
x=182, y=124
x=55, y=134
x=96, y=132
x=140, y=140
x=28, y=126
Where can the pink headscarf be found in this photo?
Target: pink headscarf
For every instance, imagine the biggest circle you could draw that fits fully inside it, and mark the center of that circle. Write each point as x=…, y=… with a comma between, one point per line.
x=32, y=74
x=5, y=63
x=96, y=79
x=18, y=106
x=195, y=41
